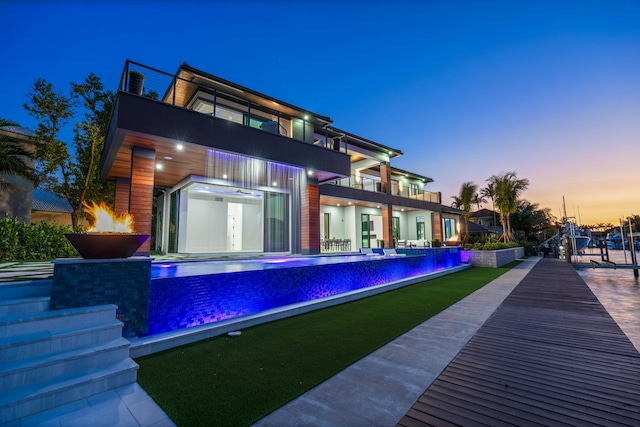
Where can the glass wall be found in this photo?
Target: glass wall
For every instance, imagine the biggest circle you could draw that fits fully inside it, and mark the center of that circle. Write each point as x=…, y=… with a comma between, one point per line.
x=449, y=229
x=242, y=205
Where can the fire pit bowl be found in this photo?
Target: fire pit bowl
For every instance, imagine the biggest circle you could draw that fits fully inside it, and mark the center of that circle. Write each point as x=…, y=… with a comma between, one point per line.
x=106, y=245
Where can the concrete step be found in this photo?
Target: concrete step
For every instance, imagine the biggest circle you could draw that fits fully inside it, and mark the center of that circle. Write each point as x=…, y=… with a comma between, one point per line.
x=20, y=373
x=49, y=341
x=28, y=400
x=17, y=306
x=57, y=319
x=25, y=289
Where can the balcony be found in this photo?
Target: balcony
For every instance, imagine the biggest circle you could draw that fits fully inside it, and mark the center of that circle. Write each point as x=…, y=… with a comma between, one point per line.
x=373, y=184
x=216, y=97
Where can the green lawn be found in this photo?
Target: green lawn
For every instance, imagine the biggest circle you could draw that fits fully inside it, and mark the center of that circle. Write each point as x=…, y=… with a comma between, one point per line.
x=235, y=381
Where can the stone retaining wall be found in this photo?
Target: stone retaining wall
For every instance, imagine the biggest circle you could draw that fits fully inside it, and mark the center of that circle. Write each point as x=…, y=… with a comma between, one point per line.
x=493, y=259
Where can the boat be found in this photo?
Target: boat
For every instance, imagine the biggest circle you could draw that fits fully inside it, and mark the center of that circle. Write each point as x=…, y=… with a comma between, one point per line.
x=578, y=238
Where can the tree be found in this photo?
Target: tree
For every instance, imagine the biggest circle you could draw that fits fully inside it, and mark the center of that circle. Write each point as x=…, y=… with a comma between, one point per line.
x=12, y=157
x=464, y=200
x=70, y=175
x=488, y=192
x=635, y=222
x=507, y=190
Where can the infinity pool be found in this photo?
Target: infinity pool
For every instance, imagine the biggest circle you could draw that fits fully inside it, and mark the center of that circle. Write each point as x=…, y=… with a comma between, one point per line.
x=197, y=268
x=187, y=294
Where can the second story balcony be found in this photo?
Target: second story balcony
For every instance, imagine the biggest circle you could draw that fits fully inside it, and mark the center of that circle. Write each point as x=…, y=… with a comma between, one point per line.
x=375, y=184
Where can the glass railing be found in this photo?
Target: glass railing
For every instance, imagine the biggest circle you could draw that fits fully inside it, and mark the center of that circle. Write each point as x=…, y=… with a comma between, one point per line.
x=377, y=186
x=152, y=83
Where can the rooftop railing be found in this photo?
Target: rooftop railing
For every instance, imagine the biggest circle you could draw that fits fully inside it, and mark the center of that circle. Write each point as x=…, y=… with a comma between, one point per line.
x=152, y=83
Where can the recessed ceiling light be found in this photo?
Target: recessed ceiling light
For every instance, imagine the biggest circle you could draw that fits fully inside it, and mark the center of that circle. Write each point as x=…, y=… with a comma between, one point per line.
x=349, y=202
x=338, y=204
x=179, y=147
x=168, y=158
x=309, y=172
x=402, y=210
x=306, y=117
x=274, y=183
x=224, y=176
x=378, y=206
x=159, y=166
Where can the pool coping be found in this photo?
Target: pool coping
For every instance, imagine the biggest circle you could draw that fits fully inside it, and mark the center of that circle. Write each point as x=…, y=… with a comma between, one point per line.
x=155, y=343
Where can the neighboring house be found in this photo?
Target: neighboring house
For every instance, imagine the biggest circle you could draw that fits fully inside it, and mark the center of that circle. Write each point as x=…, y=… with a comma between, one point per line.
x=476, y=230
x=50, y=208
x=16, y=200
x=215, y=167
x=488, y=219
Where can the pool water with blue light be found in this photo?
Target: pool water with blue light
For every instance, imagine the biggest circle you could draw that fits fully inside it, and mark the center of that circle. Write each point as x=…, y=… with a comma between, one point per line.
x=187, y=294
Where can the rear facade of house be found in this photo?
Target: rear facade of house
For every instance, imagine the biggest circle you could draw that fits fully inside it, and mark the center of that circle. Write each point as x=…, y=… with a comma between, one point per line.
x=207, y=166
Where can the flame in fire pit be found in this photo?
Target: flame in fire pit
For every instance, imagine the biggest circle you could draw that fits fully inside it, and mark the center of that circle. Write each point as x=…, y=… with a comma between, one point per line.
x=107, y=221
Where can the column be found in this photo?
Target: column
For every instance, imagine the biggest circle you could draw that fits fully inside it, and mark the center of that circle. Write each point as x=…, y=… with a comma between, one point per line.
x=141, y=195
x=311, y=219
x=385, y=177
x=387, y=226
x=436, y=226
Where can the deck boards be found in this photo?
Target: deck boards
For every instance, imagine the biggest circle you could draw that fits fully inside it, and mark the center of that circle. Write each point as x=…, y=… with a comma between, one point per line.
x=549, y=355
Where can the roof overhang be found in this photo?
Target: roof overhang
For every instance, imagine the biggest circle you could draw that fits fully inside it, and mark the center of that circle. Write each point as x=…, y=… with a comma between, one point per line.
x=142, y=122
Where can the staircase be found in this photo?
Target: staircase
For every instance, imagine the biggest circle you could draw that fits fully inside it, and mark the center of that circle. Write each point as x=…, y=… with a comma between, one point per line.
x=51, y=358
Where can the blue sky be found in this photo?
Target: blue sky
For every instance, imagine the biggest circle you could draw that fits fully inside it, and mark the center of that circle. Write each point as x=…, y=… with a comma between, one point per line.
x=466, y=89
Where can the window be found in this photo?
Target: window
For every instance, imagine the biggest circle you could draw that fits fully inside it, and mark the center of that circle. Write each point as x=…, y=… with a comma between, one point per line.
x=364, y=219
x=449, y=229
x=327, y=225
x=228, y=114
x=396, y=229
x=420, y=229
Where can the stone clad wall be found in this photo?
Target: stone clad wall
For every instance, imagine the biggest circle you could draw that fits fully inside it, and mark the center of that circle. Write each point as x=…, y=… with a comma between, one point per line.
x=122, y=281
x=492, y=259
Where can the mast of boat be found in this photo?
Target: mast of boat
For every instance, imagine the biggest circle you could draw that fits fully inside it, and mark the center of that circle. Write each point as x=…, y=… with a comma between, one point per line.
x=622, y=240
x=572, y=232
x=632, y=248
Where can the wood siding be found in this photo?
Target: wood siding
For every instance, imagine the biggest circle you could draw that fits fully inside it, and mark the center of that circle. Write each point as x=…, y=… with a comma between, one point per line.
x=311, y=220
x=141, y=196
x=123, y=188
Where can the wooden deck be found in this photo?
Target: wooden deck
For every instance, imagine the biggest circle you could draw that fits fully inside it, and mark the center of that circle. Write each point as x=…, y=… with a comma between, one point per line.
x=549, y=355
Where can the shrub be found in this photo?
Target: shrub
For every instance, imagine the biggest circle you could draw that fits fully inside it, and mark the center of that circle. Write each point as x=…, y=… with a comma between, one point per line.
x=19, y=241
x=491, y=246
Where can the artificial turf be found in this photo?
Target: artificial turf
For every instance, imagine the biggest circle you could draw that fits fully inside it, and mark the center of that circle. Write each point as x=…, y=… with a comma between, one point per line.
x=235, y=381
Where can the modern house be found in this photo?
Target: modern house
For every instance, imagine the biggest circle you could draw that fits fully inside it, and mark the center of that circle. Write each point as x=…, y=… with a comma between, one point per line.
x=208, y=166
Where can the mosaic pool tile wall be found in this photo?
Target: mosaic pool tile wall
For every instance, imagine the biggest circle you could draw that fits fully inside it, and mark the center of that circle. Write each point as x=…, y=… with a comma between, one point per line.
x=123, y=282
x=183, y=302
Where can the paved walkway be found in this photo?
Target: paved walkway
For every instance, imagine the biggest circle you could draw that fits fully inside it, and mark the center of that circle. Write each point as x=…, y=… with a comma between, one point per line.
x=380, y=388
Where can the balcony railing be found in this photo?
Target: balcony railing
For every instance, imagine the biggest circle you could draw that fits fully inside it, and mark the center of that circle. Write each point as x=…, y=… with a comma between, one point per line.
x=376, y=186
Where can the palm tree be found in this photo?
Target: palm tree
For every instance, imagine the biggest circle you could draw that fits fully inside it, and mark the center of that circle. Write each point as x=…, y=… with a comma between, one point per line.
x=464, y=200
x=488, y=192
x=507, y=190
x=12, y=156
